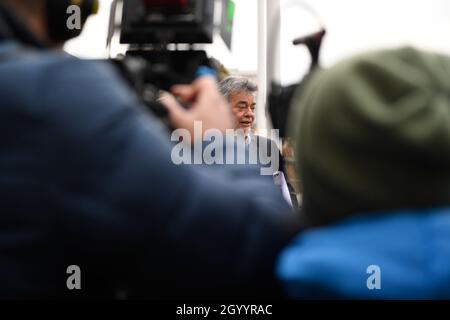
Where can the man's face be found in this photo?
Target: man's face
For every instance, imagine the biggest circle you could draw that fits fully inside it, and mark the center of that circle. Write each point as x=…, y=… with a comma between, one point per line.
x=243, y=106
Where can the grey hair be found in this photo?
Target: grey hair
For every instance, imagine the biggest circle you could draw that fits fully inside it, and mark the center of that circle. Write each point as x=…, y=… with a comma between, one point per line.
x=236, y=84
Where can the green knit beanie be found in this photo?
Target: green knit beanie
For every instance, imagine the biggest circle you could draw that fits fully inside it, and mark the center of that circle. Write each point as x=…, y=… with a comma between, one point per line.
x=373, y=134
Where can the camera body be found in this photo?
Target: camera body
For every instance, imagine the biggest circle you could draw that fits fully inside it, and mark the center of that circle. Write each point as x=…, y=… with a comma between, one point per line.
x=155, y=29
x=162, y=22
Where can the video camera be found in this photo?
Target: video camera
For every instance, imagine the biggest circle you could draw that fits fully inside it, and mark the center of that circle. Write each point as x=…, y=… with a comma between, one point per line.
x=155, y=30
x=280, y=98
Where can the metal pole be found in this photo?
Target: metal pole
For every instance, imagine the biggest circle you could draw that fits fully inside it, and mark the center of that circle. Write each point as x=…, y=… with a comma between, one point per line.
x=261, y=119
x=268, y=24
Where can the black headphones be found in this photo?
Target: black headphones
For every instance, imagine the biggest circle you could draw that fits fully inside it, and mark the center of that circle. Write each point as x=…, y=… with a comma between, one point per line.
x=58, y=15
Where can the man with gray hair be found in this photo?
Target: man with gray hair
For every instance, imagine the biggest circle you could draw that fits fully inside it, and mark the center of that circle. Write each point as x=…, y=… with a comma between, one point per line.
x=241, y=94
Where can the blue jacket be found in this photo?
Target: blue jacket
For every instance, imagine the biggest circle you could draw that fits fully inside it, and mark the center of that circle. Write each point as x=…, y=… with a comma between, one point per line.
x=399, y=255
x=86, y=179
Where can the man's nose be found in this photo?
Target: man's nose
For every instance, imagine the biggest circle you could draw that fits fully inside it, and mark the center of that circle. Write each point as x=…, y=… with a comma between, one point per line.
x=249, y=112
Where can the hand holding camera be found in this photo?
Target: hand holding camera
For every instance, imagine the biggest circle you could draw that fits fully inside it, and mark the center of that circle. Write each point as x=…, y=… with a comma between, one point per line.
x=202, y=94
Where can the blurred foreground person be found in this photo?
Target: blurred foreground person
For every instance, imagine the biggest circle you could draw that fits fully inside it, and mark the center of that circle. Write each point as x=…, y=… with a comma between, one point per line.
x=373, y=151
x=87, y=182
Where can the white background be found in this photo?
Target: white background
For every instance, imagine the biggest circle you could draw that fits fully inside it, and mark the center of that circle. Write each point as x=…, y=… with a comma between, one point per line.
x=353, y=26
